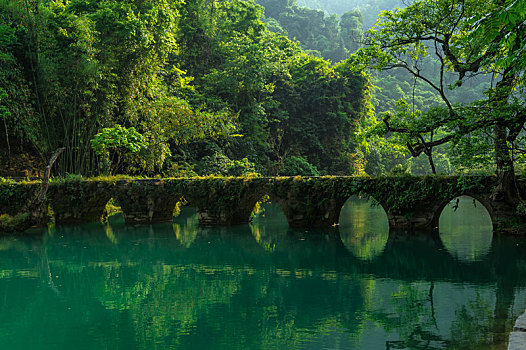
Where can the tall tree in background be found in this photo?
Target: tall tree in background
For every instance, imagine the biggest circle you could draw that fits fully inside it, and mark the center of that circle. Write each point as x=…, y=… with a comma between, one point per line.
x=320, y=34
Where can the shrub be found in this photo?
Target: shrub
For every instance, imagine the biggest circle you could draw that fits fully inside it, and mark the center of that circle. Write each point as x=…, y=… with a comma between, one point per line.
x=293, y=166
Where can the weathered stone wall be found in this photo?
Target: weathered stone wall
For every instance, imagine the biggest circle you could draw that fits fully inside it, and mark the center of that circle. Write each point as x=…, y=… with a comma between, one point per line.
x=224, y=201
x=16, y=197
x=147, y=201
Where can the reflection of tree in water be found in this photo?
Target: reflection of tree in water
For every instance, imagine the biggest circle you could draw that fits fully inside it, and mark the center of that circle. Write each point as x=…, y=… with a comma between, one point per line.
x=110, y=234
x=472, y=327
x=410, y=313
x=165, y=303
x=364, y=228
x=415, y=323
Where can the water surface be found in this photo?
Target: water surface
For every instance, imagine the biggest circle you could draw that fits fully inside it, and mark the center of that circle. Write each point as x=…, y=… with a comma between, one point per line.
x=263, y=286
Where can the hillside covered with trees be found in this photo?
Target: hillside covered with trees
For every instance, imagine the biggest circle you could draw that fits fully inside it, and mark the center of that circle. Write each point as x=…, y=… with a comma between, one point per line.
x=334, y=29
x=281, y=87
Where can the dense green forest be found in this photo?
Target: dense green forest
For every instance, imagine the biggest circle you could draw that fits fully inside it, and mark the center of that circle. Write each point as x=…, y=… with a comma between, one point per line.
x=172, y=88
x=232, y=87
x=334, y=29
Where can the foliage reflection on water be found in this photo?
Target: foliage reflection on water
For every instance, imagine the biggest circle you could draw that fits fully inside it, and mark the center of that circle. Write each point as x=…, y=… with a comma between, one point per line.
x=261, y=286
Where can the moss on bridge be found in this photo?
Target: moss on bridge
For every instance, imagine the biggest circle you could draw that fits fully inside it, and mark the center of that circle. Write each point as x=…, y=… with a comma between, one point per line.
x=308, y=202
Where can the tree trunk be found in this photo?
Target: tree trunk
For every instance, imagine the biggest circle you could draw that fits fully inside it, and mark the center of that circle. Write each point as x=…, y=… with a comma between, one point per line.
x=8, y=145
x=431, y=162
x=506, y=190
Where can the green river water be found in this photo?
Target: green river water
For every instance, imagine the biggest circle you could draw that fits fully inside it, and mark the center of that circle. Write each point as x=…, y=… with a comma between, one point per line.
x=263, y=286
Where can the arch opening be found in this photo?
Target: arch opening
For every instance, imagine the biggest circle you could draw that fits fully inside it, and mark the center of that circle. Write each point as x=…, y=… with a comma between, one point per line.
x=112, y=212
x=165, y=208
x=364, y=227
x=185, y=223
x=466, y=229
x=268, y=223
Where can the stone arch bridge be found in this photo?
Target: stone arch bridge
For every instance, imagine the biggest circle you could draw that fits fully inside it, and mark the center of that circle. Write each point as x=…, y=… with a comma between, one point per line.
x=411, y=203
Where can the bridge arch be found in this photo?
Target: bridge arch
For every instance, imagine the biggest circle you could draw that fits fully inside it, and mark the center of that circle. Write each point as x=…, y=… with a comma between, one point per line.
x=262, y=204
x=147, y=201
x=466, y=228
x=185, y=225
x=363, y=227
x=365, y=195
x=483, y=201
x=268, y=223
x=248, y=203
x=77, y=204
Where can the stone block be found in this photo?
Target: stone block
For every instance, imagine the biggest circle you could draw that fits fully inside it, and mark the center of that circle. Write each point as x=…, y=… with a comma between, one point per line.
x=520, y=324
x=517, y=341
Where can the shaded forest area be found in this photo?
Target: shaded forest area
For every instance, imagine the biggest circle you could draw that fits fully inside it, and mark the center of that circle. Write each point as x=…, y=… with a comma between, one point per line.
x=282, y=87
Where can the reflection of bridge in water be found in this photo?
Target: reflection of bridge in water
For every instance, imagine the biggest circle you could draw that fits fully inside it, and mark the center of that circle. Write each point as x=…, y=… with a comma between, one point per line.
x=405, y=256
x=411, y=203
x=158, y=254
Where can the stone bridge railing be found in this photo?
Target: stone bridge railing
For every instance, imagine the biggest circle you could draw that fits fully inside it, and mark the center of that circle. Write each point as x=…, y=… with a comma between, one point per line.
x=411, y=203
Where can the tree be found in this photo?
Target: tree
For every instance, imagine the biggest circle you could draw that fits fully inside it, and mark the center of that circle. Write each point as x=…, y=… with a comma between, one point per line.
x=468, y=38
x=351, y=29
x=84, y=60
x=323, y=105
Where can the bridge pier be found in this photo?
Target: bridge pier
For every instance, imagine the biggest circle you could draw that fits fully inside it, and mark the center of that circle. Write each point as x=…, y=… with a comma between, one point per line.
x=423, y=218
x=146, y=201
x=505, y=218
x=82, y=202
x=307, y=206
